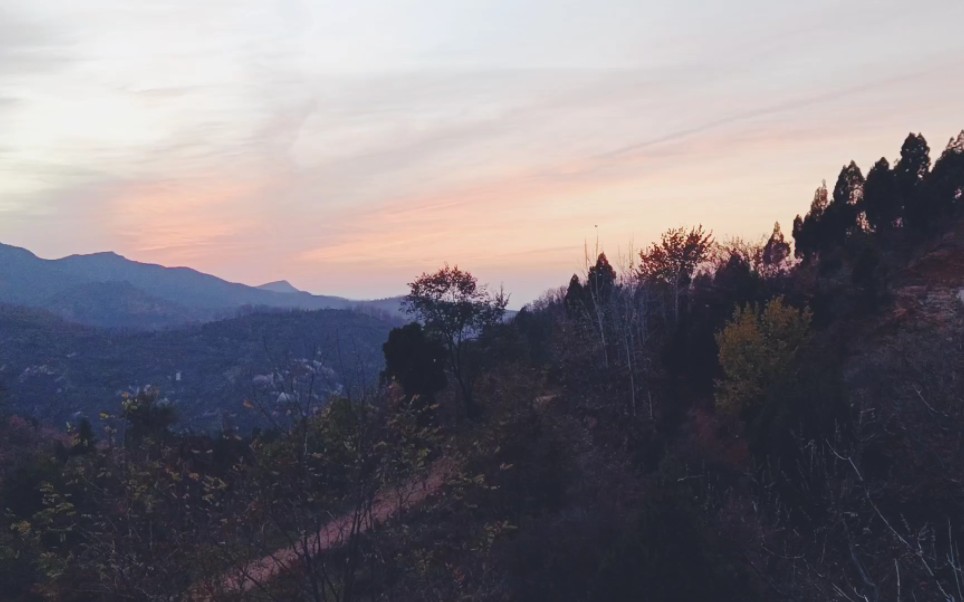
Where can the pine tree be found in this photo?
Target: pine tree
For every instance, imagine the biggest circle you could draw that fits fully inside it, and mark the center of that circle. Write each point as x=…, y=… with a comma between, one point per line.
x=944, y=189
x=801, y=244
x=601, y=280
x=575, y=296
x=776, y=251
x=416, y=362
x=821, y=200
x=881, y=201
x=808, y=231
x=840, y=219
x=909, y=174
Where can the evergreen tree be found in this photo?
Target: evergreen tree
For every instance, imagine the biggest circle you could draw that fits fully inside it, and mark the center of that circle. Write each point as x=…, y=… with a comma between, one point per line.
x=841, y=217
x=956, y=145
x=601, y=280
x=416, y=363
x=148, y=416
x=575, y=296
x=915, y=161
x=799, y=233
x=809, y=231
x=84, y=438
x=881, y=202
x=945, y=184
x=776, y=251
x=909, y=174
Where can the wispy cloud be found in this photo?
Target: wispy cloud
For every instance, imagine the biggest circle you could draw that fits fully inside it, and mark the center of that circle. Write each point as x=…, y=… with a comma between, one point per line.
x=350, y=146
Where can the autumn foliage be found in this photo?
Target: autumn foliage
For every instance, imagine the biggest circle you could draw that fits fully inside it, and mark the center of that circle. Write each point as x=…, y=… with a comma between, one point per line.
x=757, y=348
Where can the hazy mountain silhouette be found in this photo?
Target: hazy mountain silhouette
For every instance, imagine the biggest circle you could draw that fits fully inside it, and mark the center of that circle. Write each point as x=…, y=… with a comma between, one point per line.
x=280, y=286
x=121, y=305
x=132, y=294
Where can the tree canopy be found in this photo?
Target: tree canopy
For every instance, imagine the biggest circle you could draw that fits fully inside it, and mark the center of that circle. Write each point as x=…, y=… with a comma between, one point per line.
x=757, y=348
x=672, y=262
x=416, y=362
x=454, y=308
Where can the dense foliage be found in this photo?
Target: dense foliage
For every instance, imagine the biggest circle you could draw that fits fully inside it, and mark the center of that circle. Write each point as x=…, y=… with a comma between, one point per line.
x=56, y=371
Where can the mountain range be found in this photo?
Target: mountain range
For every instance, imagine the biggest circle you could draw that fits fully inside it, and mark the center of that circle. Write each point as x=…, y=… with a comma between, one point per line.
x=108, y=290
x=78, y=333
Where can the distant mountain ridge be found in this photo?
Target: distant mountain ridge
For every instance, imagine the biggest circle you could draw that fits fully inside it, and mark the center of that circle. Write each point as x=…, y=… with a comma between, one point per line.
x=108, y=290
x=280, y=286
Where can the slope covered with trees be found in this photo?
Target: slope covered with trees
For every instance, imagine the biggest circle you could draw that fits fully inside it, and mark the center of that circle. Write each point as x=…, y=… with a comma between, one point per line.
x=55, y=371
x=719, y=420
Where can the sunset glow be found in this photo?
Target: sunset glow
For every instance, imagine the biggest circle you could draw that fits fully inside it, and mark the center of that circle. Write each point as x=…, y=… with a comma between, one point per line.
x=347, y=147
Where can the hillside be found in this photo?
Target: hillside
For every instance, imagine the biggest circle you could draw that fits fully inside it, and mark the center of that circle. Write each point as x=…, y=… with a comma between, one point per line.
x=118, y=304
x=724, y=421
x=53, y=370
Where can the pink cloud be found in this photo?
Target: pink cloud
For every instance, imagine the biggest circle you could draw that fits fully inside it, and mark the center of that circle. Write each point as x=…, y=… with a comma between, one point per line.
x=179, y=221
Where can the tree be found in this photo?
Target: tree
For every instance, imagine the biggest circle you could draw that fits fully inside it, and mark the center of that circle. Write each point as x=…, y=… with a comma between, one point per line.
x=776, y=250
x=914, y=163
x=830, y=220
x=841, y=217
x=454, y=308
x=84, y=438
x=909, y=174
x=416, y=362
x=599, y=290
x=821, y=200
x=801, y=247
x=808, y=231
x=945, y=184
x=881, y=201
x=849, y=187
x=601, y=280
x=575, y=296
x=757, y=348
x=956, y=145
x=672, y=261
x=147, y=415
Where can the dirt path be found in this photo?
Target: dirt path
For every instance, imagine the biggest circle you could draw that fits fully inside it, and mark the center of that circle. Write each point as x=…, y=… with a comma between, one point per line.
x=334, y=534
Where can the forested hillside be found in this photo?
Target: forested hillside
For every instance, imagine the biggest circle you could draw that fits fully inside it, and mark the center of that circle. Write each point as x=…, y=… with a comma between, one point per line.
x=55, y=371
x=718, y=420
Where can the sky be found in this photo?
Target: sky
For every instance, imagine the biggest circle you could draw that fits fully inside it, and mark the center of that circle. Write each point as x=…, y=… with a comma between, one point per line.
x=350, y=146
